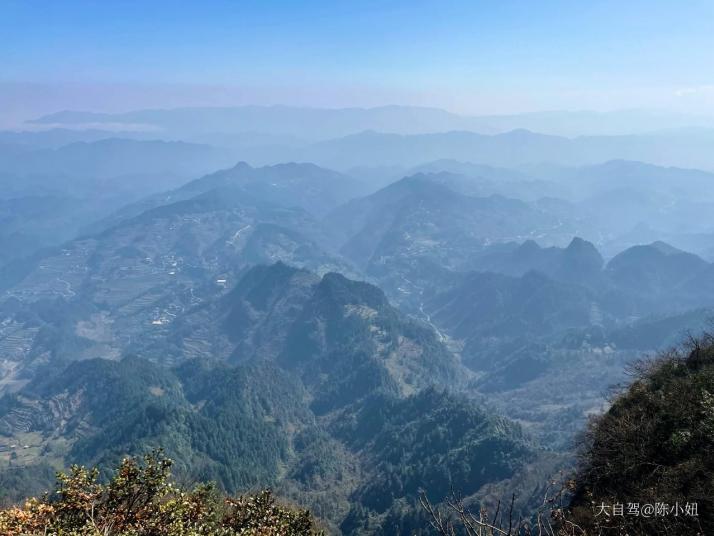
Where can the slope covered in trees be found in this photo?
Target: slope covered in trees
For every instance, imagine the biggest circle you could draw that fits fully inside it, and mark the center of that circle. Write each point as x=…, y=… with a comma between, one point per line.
x=654, y=446
x=646, y=464
x=314, y=386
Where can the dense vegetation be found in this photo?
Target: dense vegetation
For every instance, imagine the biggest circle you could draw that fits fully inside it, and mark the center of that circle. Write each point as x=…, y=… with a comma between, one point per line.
x=142, y=500
x=229, y=320
x=646, y=464
x=655, y=445
x=326, y=393
x=249, y=426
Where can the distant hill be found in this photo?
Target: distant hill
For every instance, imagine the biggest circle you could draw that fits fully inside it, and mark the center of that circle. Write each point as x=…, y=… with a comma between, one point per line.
x=481, y=180
x=635, y=175
x=115, y=157
x=302, y=185
x=51, y=195
x=579, y=262
x=54, y=138
x=321, y=122
x=514, y=148
x=132, y=279
x=589, y=123
x=422, y=224
x=403, y=137
x=486, y=307
x=621, y=203
x=304, y=123
x=385, y=149
x=544, y=291
x=32, y=222
x=665, y=275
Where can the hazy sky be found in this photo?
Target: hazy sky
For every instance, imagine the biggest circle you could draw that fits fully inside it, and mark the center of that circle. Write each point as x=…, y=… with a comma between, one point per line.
x=466, y=56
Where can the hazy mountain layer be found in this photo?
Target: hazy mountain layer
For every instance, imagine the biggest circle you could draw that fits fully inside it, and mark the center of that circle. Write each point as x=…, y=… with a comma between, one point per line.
x=297, y=376
x=317, y=122
x=305, y=123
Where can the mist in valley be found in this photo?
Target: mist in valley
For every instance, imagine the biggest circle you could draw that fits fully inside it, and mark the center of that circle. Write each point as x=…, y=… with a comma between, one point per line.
x=357, y=273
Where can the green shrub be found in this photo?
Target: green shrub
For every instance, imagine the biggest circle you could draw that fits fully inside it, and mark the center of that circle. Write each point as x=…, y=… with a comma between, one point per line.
x=141, y=500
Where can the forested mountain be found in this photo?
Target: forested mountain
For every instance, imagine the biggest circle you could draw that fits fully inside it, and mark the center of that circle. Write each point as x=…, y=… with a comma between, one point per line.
x=314, y=189
x=356, y=268
x=579, y=262
x=289, y=380
x=533, y=322
x=671, y=403
x=502, y=308
x=616, y=204
x=346, y=343
x=407, y=232
x=103, y=291
x=341, y=337
x=225, y=321
x=659, y=269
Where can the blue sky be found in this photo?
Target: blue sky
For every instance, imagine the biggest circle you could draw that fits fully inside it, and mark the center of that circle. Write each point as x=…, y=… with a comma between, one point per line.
x=467, y=56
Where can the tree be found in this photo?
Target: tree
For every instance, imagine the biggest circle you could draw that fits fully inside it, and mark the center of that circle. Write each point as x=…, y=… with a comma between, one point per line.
x=141, y=500
x=652, y=453
x=646, y=465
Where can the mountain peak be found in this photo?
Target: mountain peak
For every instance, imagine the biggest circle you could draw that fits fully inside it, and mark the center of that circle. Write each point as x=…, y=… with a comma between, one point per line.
x=342, y=291
x=529, y=246
x=242, y=166
x=664, y=247
x=579, y=244
x=582, y=256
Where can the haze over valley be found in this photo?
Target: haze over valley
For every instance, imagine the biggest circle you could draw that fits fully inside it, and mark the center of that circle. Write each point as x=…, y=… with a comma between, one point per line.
x=366, y=298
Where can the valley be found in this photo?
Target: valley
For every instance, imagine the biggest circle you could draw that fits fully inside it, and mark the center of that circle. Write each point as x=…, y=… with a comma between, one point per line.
x=347, y=343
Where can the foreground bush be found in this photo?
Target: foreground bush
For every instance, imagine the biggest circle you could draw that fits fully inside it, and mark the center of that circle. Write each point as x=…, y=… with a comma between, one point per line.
x=141, y=500
x=646, y=465
x=648, y=462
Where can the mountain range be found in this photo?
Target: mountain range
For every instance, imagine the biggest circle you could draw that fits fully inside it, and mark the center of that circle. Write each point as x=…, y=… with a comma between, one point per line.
x=440, y=309
x=319, y=388
x=322, y=123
